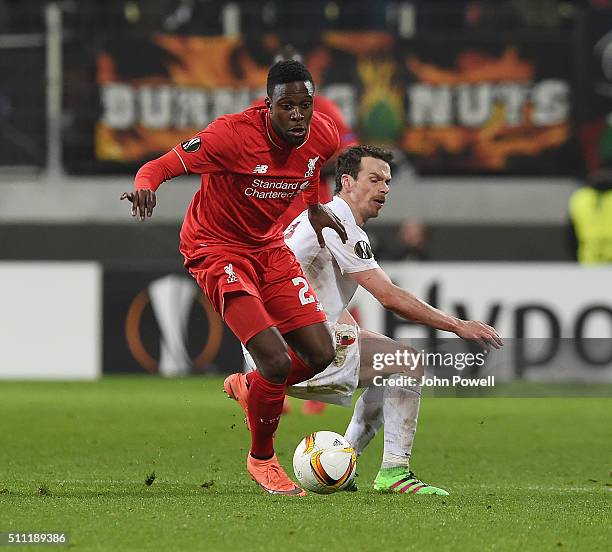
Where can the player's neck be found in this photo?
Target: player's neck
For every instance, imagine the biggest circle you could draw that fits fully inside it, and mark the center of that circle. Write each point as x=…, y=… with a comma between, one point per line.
x=359, y=219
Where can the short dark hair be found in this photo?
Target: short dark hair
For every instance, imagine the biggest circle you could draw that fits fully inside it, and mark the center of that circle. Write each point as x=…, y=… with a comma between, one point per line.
x=286, y=71
x=349, y=161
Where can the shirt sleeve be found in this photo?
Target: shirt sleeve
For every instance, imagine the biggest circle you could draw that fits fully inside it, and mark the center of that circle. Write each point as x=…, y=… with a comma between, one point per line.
x=212, y=150
x=356, y=254
x=153, y=173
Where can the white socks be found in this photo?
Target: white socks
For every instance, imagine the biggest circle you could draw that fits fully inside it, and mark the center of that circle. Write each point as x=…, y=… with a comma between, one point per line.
x=398, y=408
x=400, y=413
x=367, y=418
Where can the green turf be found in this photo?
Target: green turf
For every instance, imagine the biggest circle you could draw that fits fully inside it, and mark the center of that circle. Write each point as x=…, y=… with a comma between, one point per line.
x=525, y=474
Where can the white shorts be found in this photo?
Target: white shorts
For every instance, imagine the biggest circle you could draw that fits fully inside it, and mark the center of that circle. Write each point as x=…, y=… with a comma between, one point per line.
x=337, y=383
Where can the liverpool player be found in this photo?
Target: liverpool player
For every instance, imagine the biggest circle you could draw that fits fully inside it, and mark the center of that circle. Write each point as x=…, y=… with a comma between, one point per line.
x=348, y=138
x=253, y=164
x=363, y=175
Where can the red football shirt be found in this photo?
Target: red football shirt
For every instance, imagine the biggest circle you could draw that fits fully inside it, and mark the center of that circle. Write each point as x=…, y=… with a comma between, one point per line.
x=249, y=178
x=347, y=138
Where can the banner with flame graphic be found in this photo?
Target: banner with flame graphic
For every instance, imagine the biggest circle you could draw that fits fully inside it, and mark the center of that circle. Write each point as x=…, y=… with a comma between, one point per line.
x=453, y=106
x=493, y=108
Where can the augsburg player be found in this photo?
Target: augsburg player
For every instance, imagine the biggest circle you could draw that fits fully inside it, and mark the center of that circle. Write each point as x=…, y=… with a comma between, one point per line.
x=363, y=175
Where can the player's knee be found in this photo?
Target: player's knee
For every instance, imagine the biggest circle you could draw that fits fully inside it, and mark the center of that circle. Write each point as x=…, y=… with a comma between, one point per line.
x=276, y=367
x=320, y=359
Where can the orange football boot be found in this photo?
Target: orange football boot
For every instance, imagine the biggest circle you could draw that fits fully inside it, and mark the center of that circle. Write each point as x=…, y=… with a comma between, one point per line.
x=235, y=387
x=271, y=477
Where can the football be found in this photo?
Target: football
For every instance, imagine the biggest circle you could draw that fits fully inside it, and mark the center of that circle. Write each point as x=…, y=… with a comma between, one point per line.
x=324, y=462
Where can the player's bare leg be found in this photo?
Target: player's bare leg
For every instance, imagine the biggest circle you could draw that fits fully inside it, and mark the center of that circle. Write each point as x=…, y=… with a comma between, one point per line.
x=266, y=394
x=303, y=341
x=312, y=350
x=261, y=394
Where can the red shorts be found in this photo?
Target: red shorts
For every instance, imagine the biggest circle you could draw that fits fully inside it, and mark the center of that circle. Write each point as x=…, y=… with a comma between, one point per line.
x=274, y=276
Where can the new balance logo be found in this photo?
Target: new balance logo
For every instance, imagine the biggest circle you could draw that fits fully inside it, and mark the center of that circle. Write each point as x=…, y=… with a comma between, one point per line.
x=231, y=276
x=260, y=169
x=312, y=163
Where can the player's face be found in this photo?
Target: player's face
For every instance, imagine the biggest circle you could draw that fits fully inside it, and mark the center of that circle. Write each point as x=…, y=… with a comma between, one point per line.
x=368, y=192
x=291, y=108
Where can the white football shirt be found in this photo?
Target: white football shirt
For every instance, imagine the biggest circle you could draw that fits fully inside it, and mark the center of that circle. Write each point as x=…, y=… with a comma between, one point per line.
x=327, y=269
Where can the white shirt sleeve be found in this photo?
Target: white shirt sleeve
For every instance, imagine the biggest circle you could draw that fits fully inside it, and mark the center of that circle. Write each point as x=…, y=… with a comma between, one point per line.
x=356, y=254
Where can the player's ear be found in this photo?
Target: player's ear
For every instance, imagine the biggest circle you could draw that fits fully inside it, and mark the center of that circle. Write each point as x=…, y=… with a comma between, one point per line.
x=268, y=103
x=347, y=182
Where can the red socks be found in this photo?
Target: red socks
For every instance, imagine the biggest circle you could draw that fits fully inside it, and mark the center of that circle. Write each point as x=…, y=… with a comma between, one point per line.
x=299, y=370
x=265, y=403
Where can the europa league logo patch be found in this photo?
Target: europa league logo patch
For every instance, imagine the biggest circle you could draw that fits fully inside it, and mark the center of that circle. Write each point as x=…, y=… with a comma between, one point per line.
x=363, y=250
x=193, y=145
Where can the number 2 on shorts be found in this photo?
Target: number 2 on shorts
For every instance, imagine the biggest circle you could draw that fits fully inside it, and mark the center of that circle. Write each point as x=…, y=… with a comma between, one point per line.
x=304, y=299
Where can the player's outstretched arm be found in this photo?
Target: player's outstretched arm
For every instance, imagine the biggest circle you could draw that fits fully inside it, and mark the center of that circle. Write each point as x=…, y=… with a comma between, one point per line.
x=322, y=217
x=148, y=178
x=406, y=305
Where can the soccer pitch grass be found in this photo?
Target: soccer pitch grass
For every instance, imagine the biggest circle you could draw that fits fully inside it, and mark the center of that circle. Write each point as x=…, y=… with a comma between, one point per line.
x=524, y=474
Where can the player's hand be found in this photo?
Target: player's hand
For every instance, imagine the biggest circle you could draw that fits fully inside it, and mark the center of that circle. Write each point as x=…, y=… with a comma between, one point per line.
x=482, y=333
x=321, y=217
x=143, y=202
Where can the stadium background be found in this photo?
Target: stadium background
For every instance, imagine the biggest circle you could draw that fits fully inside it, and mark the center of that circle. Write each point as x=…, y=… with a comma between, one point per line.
x=497, y=112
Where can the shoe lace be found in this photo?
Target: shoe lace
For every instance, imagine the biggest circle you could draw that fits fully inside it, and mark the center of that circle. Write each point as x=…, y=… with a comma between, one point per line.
x=412, y=475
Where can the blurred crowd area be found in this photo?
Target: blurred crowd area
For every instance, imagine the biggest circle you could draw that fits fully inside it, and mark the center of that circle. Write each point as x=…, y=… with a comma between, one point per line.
x=205, y=16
